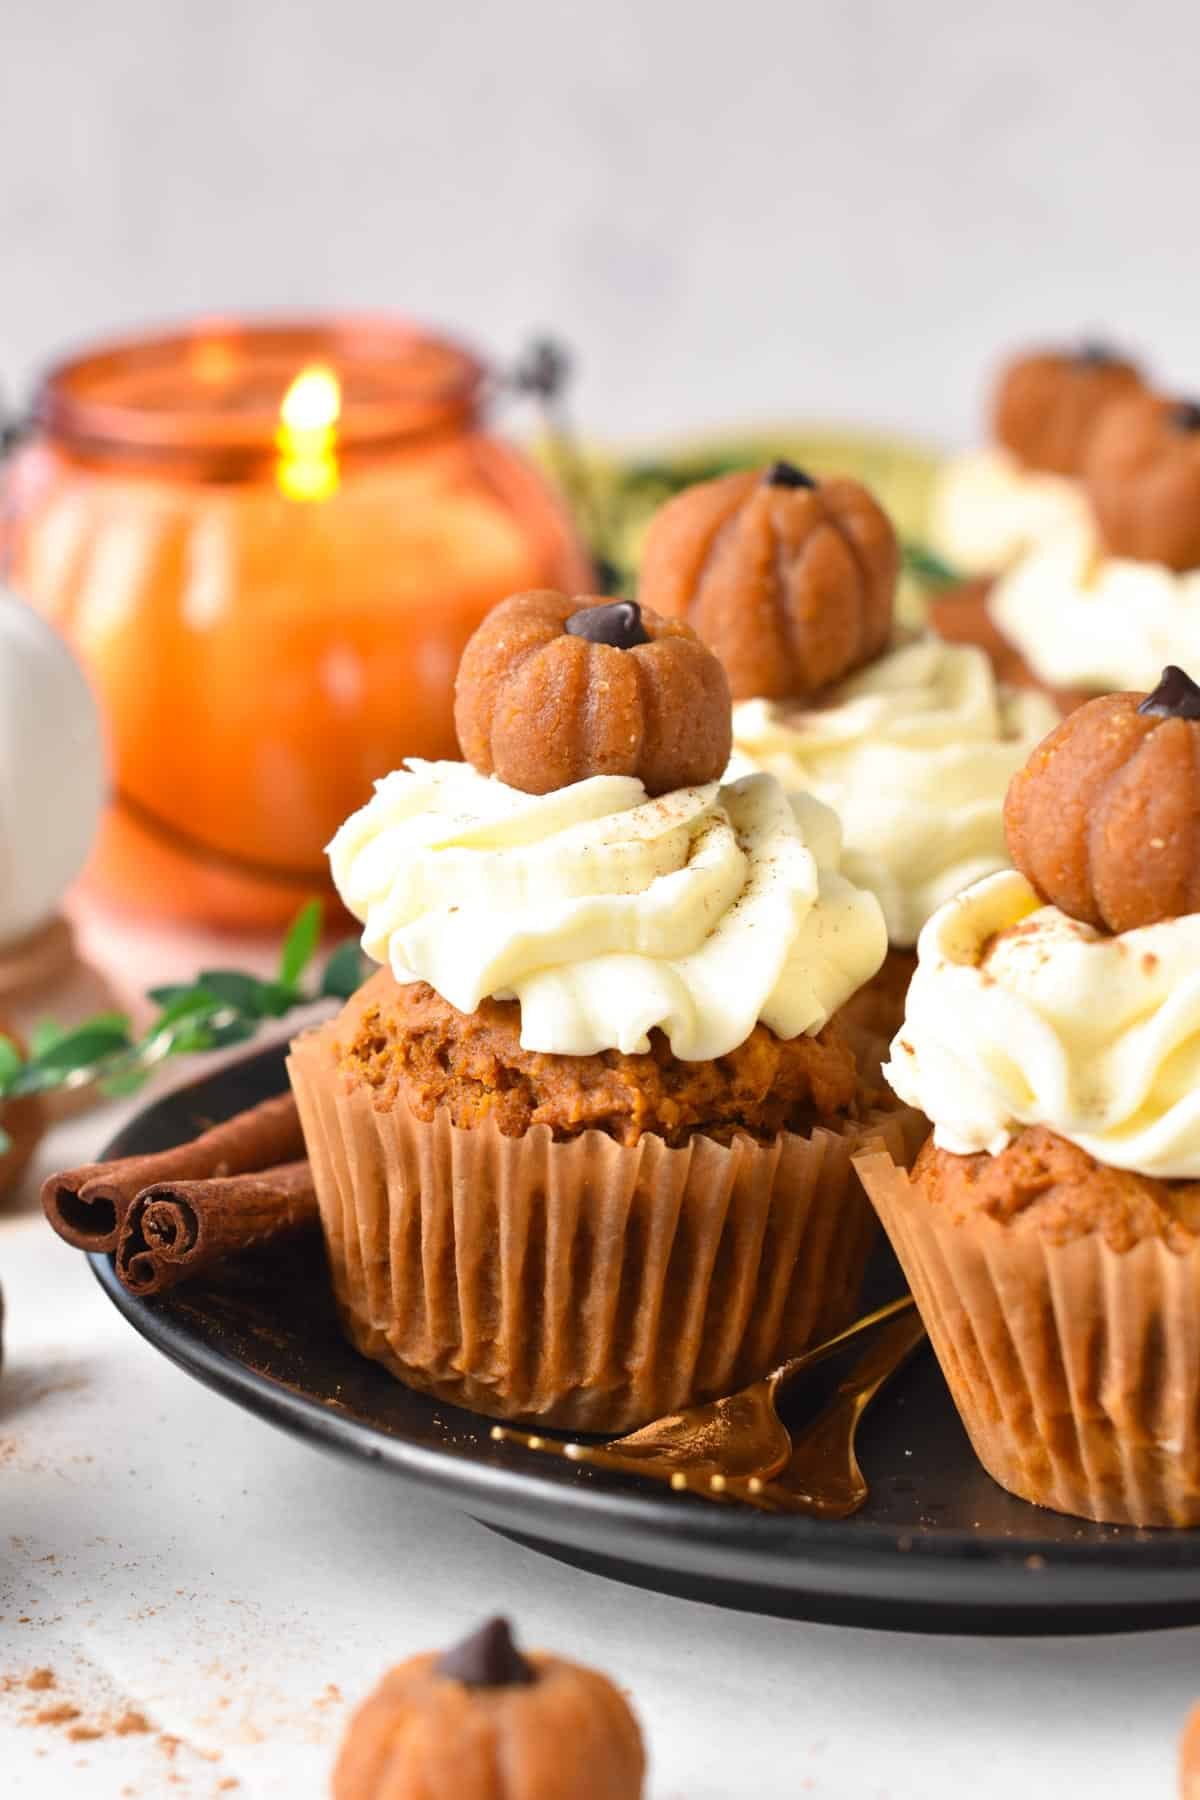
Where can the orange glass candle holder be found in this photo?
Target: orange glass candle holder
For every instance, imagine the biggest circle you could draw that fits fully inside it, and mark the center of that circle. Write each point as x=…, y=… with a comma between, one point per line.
x=270, y=543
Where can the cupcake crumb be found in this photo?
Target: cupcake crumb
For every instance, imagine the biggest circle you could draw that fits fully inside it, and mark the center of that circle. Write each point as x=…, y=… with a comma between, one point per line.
x=408, y=1040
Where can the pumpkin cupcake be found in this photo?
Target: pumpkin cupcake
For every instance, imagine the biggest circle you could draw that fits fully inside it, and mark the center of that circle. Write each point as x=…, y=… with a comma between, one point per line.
x=992, y=504
x=910, y=740
x=582, y=1146
x=1050, y=1230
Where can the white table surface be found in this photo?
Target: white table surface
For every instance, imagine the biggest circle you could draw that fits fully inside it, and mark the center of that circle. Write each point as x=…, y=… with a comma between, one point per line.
x=163, y=1552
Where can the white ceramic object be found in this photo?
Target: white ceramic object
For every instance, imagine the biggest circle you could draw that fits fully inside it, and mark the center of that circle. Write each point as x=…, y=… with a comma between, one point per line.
x=52, y=769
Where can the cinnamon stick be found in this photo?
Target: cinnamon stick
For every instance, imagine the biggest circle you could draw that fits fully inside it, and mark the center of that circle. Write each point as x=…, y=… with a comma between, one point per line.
x=176, y=1230
x=87, y=1206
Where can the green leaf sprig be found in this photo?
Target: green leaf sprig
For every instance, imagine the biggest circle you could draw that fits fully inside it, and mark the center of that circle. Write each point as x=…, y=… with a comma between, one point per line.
x=221, y=1007
x=925, y=566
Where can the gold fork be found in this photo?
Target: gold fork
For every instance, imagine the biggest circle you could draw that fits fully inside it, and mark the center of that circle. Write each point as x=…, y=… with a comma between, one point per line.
x=822, y=1476
x=727, y=1448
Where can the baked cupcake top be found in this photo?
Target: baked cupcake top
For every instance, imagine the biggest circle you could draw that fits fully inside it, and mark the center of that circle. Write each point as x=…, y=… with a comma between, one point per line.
x=1026, y=1012
x=1105, y=601
x=792, y=582
x=992, y=504
x=607, y=912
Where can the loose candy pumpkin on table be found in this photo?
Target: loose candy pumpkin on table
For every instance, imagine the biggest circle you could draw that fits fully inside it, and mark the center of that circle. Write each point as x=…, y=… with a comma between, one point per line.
x=552, y=690
x=790, y=580
x=484, y=1722
x=1189, y=1757
x=1104, y=819
x=1048, y=404
x=1143, y=480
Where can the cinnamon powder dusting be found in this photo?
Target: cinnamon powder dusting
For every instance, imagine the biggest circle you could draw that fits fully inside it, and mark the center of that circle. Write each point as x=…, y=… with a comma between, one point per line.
x=61, y=1714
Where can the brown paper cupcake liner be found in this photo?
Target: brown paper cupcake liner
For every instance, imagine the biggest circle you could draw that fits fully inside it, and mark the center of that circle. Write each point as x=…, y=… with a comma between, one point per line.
x=583, y=1284
x=1075, y=1368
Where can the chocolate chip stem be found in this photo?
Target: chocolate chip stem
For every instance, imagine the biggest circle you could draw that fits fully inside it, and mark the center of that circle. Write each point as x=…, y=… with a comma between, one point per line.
x=618, y=624
x=488, y=1658
x=1175, y=697
x=787, y=475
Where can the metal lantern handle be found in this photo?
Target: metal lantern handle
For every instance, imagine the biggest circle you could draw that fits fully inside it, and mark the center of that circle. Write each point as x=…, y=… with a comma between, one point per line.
x=542, y=373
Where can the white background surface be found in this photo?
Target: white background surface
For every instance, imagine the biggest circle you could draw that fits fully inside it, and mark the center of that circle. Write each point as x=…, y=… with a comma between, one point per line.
x=163, y=1551
x=836, y=208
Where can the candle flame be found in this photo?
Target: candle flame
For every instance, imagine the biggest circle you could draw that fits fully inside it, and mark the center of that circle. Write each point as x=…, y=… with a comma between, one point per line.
x=313, y=402
x=307, y=439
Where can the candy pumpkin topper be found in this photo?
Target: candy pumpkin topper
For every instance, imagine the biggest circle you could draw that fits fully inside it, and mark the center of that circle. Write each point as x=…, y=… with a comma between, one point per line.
x=484, y=1722
x=790, y=579
x=1143, y=480
x=1104, y=819
x=552, y=690
x=1048, y=404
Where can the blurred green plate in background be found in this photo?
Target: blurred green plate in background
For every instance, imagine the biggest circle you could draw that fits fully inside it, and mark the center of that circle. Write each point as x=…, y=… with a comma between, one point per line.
x=616, y=492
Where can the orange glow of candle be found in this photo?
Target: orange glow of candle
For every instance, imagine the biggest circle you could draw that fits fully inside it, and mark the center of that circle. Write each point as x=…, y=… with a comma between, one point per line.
x=262, y=660
x=307, y=435
x=213, y=362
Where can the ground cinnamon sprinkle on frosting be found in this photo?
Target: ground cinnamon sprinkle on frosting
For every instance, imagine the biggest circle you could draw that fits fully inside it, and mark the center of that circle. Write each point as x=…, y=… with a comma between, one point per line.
x=1094, y=1035
x=607, y=916
x=407, y=1040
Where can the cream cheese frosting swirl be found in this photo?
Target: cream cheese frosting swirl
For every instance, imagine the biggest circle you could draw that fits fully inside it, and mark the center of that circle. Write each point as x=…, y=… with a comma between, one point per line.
x=607, y=914
x=914, y=753
x=1018, y=1015
x=987, y=509
x=1084, y=619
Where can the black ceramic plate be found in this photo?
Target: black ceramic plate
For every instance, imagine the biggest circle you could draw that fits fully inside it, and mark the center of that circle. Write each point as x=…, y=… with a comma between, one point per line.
x=938, y=1546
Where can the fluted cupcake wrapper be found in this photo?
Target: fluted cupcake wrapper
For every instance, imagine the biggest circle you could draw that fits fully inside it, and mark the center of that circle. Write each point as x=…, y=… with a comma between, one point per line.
x=1075, y=1368
x=582, y=1284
